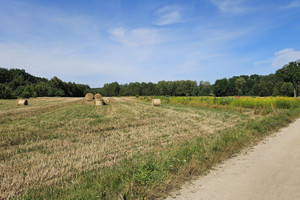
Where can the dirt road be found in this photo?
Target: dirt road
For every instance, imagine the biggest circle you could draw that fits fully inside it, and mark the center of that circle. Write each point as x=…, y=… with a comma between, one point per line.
x=271, y=170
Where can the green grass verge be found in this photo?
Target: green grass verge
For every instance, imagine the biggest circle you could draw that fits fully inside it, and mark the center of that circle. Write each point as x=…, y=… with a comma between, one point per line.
x=153, y=175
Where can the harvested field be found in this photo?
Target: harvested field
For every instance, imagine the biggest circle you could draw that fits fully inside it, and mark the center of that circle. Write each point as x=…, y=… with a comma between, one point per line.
x=53, y=141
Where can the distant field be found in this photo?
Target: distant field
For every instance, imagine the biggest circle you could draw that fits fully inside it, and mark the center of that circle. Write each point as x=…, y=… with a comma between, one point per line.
x=58, y=148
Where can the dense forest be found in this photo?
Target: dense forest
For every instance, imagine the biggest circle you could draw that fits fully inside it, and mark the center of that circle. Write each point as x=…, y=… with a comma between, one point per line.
x=17, y=83
x=253, y=85
x=171, y=88
x=285, y=82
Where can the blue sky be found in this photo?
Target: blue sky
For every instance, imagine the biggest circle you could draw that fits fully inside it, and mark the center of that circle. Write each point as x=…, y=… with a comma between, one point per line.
x=97, y=41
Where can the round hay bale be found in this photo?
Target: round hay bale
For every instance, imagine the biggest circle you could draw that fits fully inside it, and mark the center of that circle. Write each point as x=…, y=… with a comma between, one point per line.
x=98, y=97
x=22, y=102
x=89, y=96
x=105, y=101
x=99, y=103
x=86, y=102
x=156, y=102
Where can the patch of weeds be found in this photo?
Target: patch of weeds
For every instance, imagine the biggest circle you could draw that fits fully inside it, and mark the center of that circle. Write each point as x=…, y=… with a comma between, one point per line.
x=74, y=140
x=46, y=151
x=93, y=116
x=164, y=136
x=95, y=122
x=40, y=148
x=5, y=156
x=53, y=136
x=147, y=173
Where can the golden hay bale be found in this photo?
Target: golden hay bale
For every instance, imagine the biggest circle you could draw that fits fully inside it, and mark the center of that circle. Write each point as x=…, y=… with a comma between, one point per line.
x=22, y=102
x=105, y=101
x=89, y=96
x=86, y=102
x=156, y=102
x=99, y=103
x=98, y=97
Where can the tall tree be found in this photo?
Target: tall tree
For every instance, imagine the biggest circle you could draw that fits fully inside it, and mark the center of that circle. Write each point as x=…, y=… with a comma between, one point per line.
x=221, y=87
x=239, y=85
x=291, y=73
x=204, y=88
x=111, y=89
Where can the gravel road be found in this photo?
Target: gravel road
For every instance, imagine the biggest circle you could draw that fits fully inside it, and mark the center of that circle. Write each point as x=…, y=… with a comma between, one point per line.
x=270, y=170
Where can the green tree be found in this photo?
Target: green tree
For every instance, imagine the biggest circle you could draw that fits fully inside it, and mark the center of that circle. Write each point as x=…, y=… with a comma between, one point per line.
x=286, y=89
x=4, y=75
x=221, y=87
x=239, y=85
x=135, y=89
x=5, y=91
x=255, y=89
x=162, y=88
x=124, y=90
x=204, y=88
x=111, y=89
x=59, y=85
x=291, y=73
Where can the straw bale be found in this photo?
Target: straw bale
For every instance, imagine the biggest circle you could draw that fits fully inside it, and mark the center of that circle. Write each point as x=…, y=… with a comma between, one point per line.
x=22, y=102
x=99, y=103
x=98, y=97
x=89, y=96
x=86, y=102
x=105, y=101
x=156, y=102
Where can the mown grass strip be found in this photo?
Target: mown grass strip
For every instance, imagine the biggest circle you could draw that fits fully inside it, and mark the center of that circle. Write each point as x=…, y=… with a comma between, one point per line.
x=152, y=175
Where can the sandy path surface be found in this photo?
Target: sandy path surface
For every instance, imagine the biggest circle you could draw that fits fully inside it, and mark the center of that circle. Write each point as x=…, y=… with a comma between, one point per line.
x=270, y=170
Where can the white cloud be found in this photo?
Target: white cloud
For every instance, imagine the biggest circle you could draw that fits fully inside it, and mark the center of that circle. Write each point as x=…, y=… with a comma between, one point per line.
x=137, y=37
x=230, y=6
x=284, y=57
x=279, y=59
x=169, y=15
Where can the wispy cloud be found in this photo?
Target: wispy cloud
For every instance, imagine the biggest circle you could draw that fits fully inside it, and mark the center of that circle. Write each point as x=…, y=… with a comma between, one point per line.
x=285, y=56
x=279, y=59
x=230, y=6
x=292, y=4
x=136, y=37
x=169, y=15
x=115, y=64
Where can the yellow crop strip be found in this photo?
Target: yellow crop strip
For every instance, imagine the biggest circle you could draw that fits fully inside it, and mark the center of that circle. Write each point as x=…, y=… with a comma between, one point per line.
x=267, y=104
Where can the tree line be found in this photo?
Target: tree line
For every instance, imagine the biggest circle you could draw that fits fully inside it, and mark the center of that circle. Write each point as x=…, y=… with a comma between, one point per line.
x=171, y=88
x=18, y=83
x=254, y=85
x=285, y=82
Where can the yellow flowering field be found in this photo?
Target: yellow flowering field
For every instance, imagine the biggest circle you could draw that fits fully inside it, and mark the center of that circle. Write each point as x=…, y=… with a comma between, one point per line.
x=259, y=104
